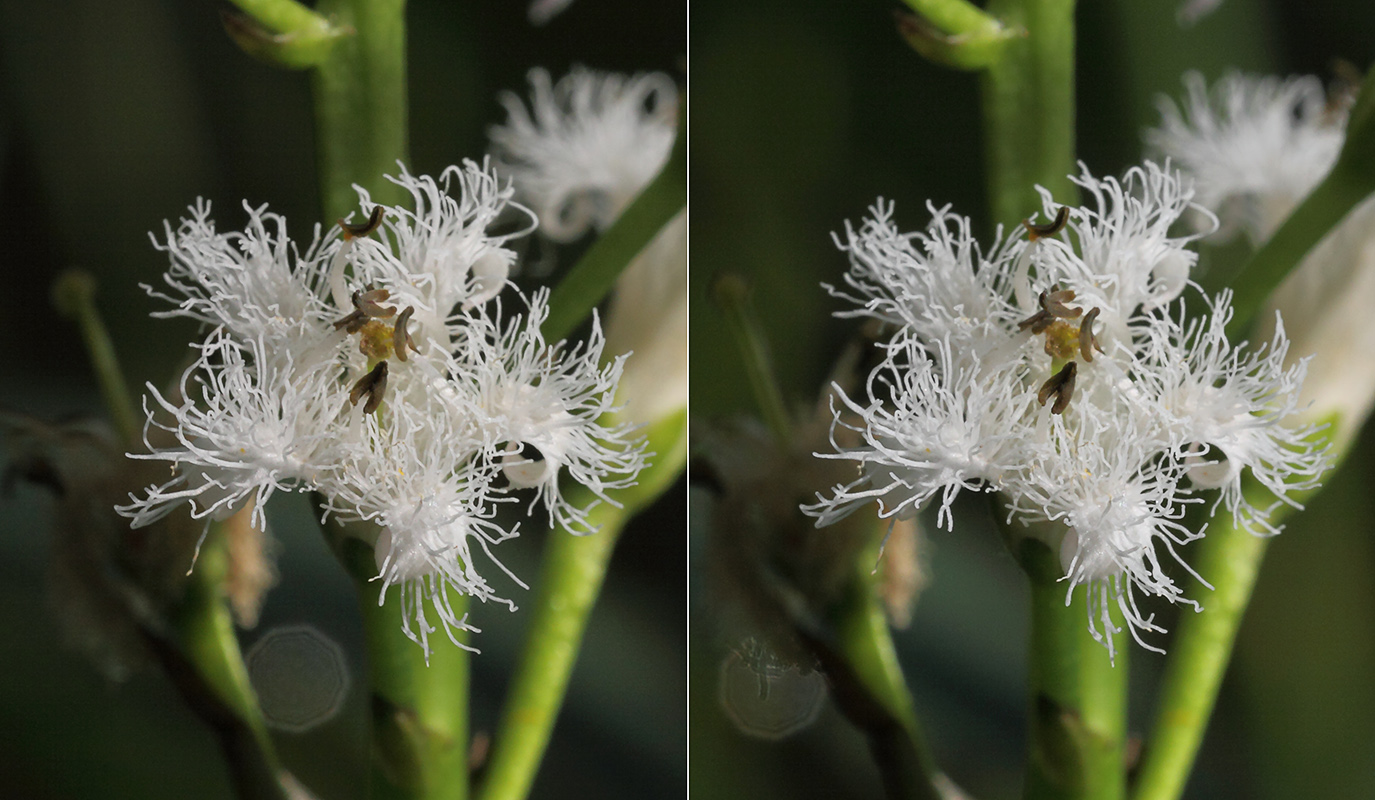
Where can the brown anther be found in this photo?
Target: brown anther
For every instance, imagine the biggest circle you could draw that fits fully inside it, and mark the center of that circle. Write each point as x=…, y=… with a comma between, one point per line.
x=353, y=323
x=1053, y=302
x=365, y=307
x=400, y=337
x=1088, y=342
x=1061, y=384
x=367, y=302
x=362, y=229
x=1034, y=232
x=374, y=385
x=1052, y=306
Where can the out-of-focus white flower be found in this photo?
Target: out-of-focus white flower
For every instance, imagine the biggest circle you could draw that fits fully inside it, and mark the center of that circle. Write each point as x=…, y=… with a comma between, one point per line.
x=1057, y=369
x=374, y=367
x=1256, y=146
x=541, y=11
x=1191, y=11
x=586, y=146
x=579, y=155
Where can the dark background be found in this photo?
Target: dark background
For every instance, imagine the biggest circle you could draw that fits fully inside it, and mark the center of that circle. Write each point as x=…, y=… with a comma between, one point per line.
x=115, y=116
x=805, y=112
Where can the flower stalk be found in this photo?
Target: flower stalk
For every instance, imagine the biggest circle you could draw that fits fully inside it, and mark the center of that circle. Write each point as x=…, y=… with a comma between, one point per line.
x=1231, y=557
x=571, y=577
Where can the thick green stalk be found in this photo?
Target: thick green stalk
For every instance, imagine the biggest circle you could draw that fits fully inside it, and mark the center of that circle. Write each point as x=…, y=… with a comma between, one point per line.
x=1078, y=711
x=1028, y=100
x=589, y=281
x=420, y=709
x=1078, y=698
x=360, y=104
x=571, y=577
x=1230, y=558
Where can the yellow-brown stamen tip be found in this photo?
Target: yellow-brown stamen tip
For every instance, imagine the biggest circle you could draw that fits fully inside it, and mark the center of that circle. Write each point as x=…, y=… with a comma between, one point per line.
x=1061, y=384
x=401, y=338
x=1088, y=342
x=366, y=228
x=1034, y=231
x=374, y=385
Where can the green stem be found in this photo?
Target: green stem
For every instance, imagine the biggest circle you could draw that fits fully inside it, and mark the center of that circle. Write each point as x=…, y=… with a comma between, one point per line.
x=1230, y=558
x=570, y=579
x=205, y=630
x=1077, y=741
x=732, y=295
x=74, y=296
x=1028, y=104
x=884, y=710
x=596, y=272
x=360, y=104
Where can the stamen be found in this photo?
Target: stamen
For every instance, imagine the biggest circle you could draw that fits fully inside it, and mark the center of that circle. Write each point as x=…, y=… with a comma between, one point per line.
x=1061, y=384
x=365, y=306
x=374, y=385
x=1088, y=342
x=1034, y=232
x=362, y=229
x=367, y=302
x=1052, y=306
x=400, y=337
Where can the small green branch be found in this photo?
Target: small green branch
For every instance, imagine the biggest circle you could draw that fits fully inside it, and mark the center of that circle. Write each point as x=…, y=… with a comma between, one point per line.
x=74, y=297
x=955, y=33
x=571, y=578
x=282, y=33
x=882, y=705
x=596, y=272
x=731, y=294
x=1029, y=109
x=204, y=628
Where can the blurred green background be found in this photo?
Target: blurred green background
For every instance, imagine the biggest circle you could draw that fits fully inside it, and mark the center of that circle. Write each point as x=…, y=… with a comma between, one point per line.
x=115, y=116
x=804, y=113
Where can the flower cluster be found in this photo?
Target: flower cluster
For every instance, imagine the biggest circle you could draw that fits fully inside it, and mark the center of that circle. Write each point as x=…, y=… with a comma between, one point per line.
x=377, y=368
x=1059, y=369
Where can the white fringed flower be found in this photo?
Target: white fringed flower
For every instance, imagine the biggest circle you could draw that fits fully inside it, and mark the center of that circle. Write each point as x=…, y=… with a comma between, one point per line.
x=1254, y=146
x=1057, y=369
x=374, y=368
x=587, y=145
